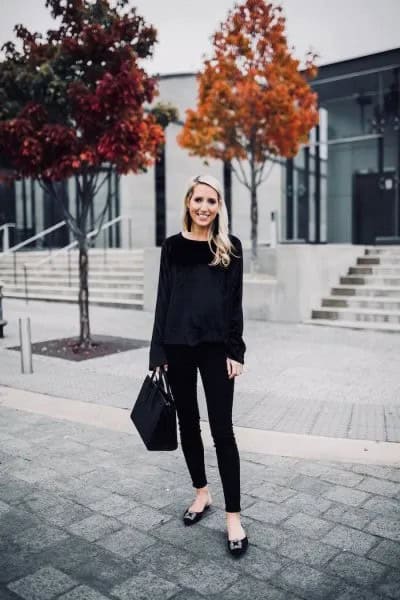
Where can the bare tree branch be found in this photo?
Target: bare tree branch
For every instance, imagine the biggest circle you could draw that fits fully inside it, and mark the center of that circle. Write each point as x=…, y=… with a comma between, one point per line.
x=100, y=219
x=265, y=177
x=51, y=189
x=98, y=188
x=243, y=179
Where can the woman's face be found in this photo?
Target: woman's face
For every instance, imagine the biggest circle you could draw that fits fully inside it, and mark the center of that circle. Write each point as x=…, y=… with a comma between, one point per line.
x=203, y=205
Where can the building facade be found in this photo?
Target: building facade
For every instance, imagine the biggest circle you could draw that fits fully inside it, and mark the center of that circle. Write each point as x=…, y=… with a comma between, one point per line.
x=342, y=187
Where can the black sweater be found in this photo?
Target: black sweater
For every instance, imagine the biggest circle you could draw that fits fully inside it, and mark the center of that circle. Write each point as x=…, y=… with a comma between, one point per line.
x=197, y=302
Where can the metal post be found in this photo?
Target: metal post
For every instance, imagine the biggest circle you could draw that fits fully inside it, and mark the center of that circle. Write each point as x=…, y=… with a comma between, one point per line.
x=6, y=239
x=104, y=247
x=25, y=345
x=69, y=268
x=3, y=323
x=15, y=267
x=26, y=282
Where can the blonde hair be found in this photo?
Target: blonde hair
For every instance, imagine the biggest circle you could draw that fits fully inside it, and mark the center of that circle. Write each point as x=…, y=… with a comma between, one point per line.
x=218, y=232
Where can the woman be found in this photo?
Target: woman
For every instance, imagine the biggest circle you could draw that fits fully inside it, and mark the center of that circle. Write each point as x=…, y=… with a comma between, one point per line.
x=198, y=324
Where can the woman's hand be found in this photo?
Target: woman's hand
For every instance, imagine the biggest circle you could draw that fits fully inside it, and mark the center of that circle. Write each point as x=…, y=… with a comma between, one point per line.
x=158, y=368
x=234, y=368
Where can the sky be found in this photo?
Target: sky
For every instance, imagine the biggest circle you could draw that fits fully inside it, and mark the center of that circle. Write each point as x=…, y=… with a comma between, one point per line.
x=335, y=29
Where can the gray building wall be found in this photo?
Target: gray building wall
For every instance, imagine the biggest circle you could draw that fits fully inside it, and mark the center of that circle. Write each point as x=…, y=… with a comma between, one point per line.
x=138, y=200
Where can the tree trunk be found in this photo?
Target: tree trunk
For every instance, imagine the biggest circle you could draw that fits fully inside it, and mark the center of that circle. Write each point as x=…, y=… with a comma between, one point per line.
x=254, y=220
x=83, y=299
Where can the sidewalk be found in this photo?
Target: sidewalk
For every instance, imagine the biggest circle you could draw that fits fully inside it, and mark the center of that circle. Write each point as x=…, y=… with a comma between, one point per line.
x=87, y=513
x=297, y=378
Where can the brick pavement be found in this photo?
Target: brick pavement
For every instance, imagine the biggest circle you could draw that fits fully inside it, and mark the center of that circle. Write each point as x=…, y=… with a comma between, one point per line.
x=88, y=514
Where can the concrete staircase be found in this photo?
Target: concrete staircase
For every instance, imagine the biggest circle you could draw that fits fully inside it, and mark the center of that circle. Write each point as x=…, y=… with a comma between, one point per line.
x=368, y=297
x=114, y=280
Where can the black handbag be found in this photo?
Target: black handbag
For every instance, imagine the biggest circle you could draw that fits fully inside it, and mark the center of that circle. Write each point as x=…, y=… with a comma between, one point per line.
x=154, y=413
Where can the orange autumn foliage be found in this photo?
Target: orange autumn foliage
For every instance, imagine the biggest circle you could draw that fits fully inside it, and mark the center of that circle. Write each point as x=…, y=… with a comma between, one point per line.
x=253, y=100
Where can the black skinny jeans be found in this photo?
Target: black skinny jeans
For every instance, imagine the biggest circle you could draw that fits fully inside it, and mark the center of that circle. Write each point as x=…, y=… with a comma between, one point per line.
x=210, y=358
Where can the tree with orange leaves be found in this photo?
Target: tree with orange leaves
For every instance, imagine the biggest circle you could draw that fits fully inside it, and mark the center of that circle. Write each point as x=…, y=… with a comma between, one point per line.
x=253, y=101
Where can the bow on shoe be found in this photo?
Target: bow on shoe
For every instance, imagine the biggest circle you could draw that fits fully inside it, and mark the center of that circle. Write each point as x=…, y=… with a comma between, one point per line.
x=190, y=515
x=235, y=544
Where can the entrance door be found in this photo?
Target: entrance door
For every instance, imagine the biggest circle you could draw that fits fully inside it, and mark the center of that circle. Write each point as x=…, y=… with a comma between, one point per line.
x=373, y=209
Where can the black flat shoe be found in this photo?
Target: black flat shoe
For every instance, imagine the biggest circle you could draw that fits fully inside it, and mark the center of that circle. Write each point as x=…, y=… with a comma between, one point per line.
x=238, y=547
x=191, y=517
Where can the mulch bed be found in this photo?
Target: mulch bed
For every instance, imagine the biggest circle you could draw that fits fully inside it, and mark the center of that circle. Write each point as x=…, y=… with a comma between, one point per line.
x=69, y=349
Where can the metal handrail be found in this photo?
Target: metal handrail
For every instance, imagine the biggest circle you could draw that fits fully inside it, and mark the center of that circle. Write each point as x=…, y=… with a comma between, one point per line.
x=6, y=236
x=38, y=236
x=69, y=247
x=91, y=234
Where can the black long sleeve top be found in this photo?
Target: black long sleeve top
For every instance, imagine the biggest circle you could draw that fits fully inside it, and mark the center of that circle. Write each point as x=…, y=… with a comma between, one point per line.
x=197, y=302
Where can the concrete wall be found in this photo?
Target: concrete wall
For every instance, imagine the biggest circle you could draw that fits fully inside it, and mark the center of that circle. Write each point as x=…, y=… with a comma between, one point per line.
x=304, y=274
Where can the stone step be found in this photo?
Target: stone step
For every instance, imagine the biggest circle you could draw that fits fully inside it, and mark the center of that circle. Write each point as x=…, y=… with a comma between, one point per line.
x=357, y=314
x=74, y=265
x=56, y=284
x=389, y=280
x=367, y=325
x=37, y=256
x=383, y=251
x=364, y=290
x=363, y=302
x=132, y=269
x=64, y=261
x=93, y=300
x=375, y=270
x=35, y=291
x=378, y=260
x=56, y=278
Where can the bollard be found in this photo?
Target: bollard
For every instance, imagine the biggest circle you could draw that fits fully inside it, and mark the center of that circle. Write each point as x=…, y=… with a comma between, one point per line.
x=273, y=230
x=25, y=345
x=3, y=323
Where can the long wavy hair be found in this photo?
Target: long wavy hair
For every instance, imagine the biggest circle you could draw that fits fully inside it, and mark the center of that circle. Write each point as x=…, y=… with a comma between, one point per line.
x=218, y=238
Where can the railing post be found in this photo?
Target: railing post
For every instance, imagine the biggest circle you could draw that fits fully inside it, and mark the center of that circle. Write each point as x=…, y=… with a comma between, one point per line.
x=3, y=323
x=6, y=235
x=26, y=282
x=15, y=267
x=25, y=345
x=69, y=267
x=6, y=239
x=105, y=247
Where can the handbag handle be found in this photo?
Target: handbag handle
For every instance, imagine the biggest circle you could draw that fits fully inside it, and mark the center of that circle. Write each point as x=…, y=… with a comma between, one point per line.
x=163, y=374
x=163, y=379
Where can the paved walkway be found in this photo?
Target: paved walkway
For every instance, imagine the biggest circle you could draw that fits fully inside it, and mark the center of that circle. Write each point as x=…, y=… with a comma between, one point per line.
x=86, y=513
x=297, y=378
